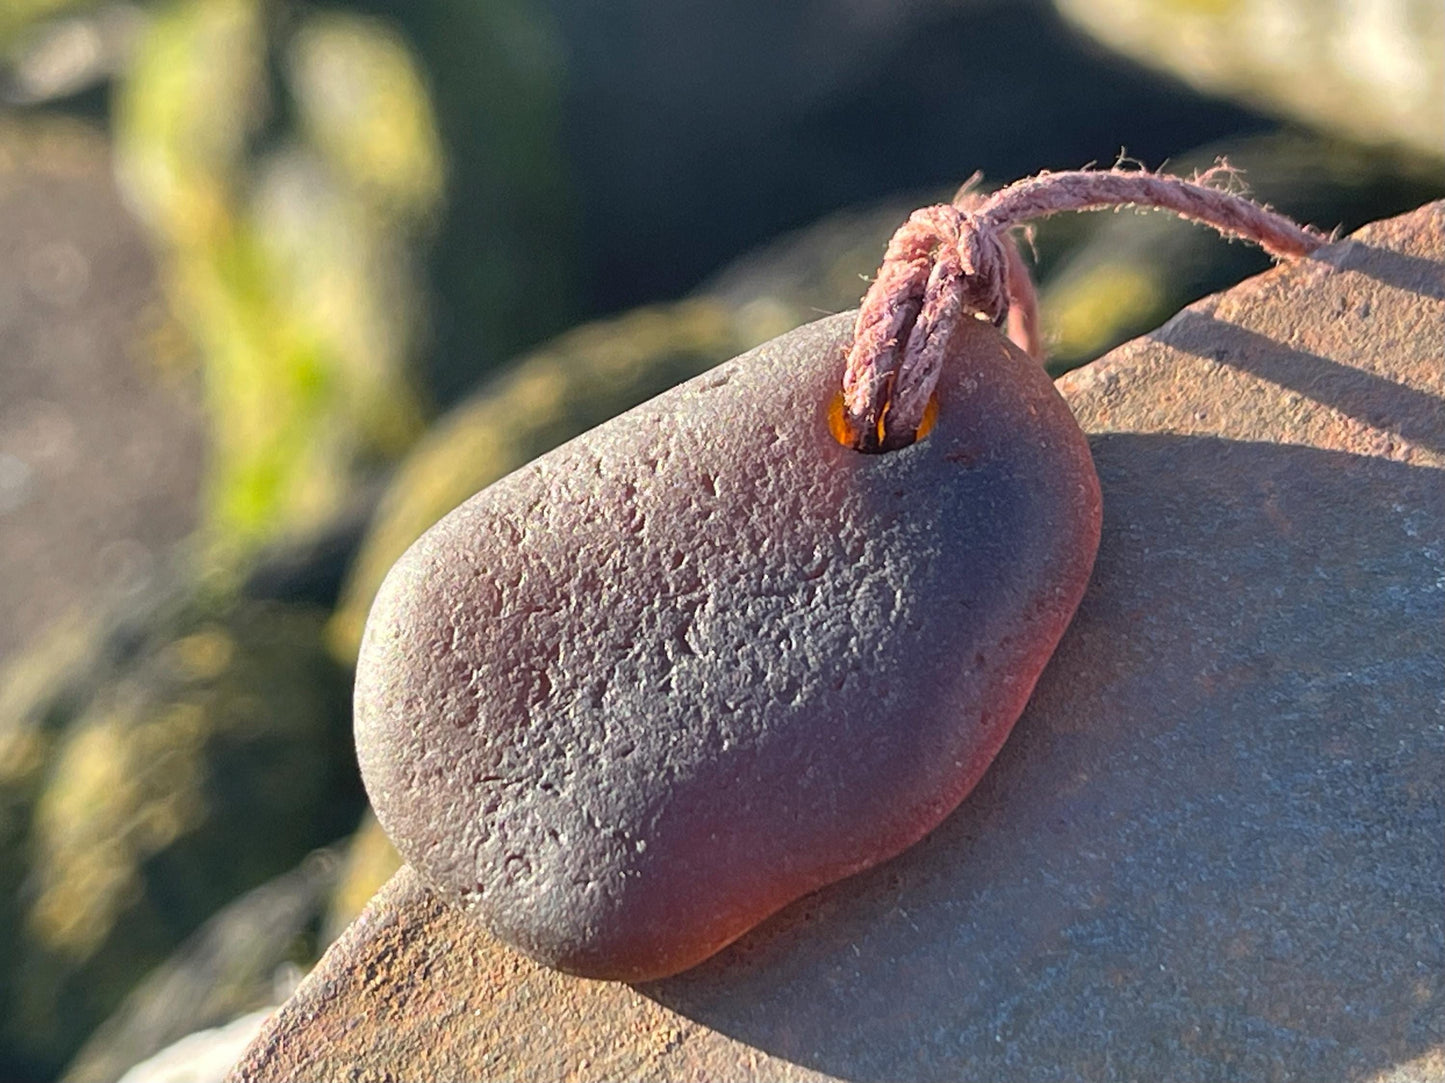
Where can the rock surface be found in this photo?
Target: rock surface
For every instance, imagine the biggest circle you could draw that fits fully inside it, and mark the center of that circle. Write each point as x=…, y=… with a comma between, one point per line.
x=1102, y=279
x=1369, y=71
x=151, y=770
x=1114, y=276
x=100, y=439
x=245, y=958
x=638, y=695
x=1211, y=848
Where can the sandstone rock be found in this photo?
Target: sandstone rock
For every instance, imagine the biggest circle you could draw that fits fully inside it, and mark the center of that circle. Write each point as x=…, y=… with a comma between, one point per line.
x=701, y=660
x=1211, y=848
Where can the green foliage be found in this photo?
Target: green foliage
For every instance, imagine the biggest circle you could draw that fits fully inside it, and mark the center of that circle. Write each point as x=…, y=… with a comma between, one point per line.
x=288, y=169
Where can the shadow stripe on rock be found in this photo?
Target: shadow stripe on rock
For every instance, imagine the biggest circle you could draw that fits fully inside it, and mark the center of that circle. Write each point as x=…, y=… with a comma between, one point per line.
x=1373, y=400
x=1417, y=275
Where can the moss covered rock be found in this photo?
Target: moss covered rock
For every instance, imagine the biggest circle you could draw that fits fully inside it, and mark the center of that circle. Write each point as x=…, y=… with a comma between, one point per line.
x=574, y=382
x=289, y=259
x=155, y=771
x=246, y=957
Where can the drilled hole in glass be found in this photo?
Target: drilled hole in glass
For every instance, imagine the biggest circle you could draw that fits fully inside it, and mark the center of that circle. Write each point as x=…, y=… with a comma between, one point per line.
x=876, y=443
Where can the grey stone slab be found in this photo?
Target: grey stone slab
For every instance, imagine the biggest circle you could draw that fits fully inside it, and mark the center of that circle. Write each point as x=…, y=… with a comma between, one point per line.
x=1212, y=847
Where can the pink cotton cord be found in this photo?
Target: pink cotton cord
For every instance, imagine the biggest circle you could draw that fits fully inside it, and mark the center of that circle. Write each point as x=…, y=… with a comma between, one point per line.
x=957, y=261
x=1197, y=200
x=1023, y=300
x=1023, y=305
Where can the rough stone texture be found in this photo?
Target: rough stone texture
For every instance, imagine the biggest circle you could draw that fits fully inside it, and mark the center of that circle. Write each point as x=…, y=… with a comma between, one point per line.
x=594, y=372
x=640, y=694
x=1211, y=849
x=1103, y=279
x=1114, y=276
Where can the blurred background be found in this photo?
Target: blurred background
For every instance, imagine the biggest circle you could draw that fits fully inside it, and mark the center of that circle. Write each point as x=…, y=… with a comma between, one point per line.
x=281, y=283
